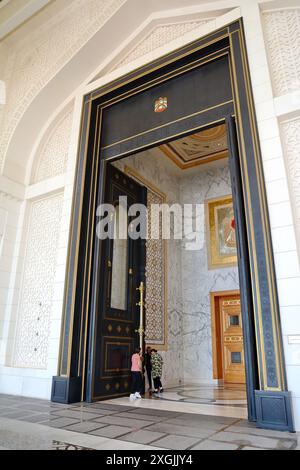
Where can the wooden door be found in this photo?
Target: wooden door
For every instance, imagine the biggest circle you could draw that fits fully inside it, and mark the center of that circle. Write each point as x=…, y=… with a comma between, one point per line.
x=232, y=340
x=122, y=270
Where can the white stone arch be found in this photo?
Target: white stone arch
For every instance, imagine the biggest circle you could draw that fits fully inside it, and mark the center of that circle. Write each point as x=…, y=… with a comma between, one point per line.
x=36, y=285
x=51, y=157
x=86, y=62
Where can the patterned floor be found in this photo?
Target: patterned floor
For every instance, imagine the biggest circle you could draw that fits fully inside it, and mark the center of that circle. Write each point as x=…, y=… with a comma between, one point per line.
x=204, y=399
x=36, y=424
x=221, y=395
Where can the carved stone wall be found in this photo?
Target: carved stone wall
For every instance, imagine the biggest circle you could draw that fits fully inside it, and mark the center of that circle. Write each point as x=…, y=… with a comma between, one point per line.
x=3, y=222
x=33, y=321
x=158, y=37
x=44, y=52
x=54, y=153
x=282, y=33
x=291, y=140
x=156, y=312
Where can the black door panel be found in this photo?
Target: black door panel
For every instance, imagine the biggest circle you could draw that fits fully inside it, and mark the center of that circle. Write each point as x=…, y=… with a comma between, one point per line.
x=118, y=316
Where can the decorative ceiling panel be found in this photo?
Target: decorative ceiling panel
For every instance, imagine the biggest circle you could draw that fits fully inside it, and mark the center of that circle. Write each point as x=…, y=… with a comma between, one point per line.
x=196, y=149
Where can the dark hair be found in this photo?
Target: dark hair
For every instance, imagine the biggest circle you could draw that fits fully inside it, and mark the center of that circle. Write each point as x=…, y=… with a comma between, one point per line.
x=137, y=350
x=154, y=350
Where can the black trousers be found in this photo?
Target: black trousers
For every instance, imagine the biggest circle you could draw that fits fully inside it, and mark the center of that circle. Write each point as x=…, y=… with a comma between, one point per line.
x=136, y=382
x=157, y=383
x=149, y=375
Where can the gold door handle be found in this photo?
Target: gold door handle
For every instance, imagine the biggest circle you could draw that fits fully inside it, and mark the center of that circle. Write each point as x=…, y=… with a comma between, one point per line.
x=141, y=304
x=141, y=288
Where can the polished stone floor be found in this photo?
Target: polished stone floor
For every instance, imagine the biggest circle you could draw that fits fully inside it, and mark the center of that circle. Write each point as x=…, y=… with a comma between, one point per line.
x=27, y=423
x=206, y=399
x=221, y=395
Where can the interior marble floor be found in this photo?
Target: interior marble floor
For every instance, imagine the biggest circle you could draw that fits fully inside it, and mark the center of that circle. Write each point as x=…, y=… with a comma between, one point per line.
x=27, y=423
x=219, y=395
x=207, y=399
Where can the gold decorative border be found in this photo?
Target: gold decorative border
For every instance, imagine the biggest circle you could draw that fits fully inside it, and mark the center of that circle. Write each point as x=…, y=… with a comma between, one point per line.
x=200, y=161
x=70, y=238
x=257, y=302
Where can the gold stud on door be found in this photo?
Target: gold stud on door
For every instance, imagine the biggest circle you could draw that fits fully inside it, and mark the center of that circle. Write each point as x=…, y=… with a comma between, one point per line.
x=141, y=305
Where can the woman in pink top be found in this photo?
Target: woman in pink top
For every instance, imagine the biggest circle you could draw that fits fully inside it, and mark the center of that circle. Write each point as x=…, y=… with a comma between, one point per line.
x=136, y=374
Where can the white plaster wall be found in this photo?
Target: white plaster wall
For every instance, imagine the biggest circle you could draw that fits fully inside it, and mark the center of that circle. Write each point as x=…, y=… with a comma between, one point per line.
x=10, y=239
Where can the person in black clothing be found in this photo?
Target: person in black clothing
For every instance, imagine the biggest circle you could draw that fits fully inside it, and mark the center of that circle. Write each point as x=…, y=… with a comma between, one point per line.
x=148, y=366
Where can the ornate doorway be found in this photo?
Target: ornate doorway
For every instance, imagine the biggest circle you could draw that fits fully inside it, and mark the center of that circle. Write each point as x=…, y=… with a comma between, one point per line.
x=204, y=83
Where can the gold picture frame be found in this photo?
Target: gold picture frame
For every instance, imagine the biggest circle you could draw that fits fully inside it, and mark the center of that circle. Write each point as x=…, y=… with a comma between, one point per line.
x=221, y=235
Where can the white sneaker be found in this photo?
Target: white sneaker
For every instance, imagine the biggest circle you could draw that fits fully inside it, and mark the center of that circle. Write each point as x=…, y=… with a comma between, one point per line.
x=132, y=397
x=137, y=395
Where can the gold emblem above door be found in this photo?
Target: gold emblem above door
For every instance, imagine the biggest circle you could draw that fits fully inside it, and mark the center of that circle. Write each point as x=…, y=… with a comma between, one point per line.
x=161, y=105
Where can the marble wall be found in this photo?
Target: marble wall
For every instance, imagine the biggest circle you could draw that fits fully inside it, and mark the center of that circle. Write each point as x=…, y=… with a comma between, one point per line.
x=197, y=280
x=189, y=354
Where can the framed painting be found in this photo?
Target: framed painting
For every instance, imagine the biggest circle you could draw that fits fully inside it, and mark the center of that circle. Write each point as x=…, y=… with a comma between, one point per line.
x=221, y=233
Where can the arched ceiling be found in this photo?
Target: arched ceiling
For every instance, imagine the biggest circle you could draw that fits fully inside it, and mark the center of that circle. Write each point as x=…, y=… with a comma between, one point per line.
x=81, y=67
x=13, y=14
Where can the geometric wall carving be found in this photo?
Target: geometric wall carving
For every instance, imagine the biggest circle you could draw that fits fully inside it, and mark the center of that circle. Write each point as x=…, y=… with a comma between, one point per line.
x=282, y=34
x=290, y=131
x=156, y=302
x=37, y=288
x=54, y=153
x=44, y=51
x=158, y=37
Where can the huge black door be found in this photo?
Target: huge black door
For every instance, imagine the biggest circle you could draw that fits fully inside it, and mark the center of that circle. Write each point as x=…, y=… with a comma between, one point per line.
x=122, y=269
